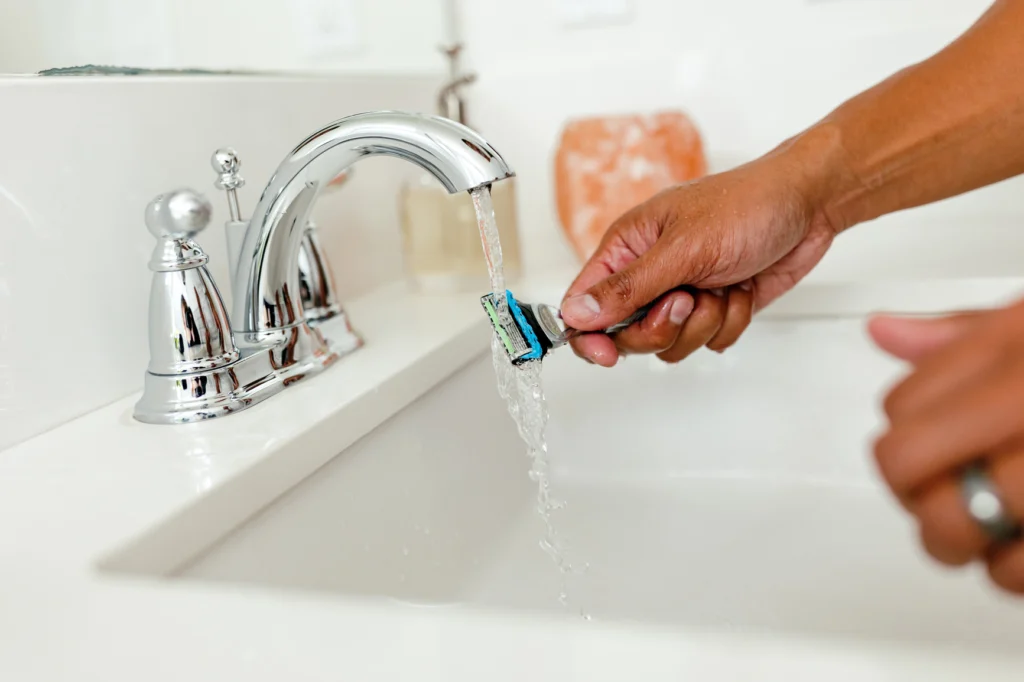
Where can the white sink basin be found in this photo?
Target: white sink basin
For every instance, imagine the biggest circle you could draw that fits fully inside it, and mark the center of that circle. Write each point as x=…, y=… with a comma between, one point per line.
x=732, y=491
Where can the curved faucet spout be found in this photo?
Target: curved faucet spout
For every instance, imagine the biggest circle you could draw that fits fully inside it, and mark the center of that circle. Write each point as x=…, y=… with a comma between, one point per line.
x=266, y=290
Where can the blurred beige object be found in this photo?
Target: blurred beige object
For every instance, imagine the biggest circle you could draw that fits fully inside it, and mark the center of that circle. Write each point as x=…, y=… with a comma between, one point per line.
x=440, y=237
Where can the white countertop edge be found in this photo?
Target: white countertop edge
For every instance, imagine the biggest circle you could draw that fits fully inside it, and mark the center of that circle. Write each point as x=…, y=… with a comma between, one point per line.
x=845, y=299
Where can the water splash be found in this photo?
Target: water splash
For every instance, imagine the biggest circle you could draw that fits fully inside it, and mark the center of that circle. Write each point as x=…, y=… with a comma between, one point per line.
x=523, y=390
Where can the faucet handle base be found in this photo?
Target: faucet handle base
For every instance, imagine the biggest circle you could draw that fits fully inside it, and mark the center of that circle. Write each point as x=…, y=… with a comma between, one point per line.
x=190, y=398
x=267, y=366
x=316, y=281
x=341, y=337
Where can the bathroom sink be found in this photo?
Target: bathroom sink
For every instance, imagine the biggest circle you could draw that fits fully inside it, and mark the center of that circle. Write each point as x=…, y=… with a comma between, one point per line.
x=732, y=491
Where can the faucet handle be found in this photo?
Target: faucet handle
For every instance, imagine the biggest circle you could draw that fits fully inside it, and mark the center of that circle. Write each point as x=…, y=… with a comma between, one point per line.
x=225, y=162
x=181, y=214
x=189, y=376
x=174, y=219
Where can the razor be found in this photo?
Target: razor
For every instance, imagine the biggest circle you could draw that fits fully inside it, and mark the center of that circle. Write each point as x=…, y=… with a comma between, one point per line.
x=529, y=331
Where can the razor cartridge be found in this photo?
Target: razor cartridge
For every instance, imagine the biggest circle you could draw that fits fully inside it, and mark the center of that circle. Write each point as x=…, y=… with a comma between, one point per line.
x=528, y=331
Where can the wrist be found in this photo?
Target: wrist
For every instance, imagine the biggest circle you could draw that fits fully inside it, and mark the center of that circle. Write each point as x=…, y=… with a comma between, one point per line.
x=826, y=181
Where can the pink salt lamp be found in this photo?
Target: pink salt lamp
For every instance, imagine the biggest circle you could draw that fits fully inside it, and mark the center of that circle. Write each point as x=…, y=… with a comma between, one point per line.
x=606, y=166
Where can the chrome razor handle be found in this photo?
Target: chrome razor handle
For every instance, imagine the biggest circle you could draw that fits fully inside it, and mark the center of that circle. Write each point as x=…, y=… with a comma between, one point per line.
x=559, y=334
x=642, y=312
x=632, y=319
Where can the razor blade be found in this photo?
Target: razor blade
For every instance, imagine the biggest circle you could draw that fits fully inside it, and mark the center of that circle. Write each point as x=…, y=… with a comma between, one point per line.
x=529, y=331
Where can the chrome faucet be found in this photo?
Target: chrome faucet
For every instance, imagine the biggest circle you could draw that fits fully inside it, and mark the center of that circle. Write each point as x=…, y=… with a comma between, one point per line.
x=198, y=370
x=316, y=281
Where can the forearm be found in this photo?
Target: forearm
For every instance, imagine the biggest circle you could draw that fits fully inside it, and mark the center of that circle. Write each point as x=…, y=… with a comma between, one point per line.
x=945, y=126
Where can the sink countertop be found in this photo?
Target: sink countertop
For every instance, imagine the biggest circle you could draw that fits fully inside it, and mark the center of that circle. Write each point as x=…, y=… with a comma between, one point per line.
x=81, y=499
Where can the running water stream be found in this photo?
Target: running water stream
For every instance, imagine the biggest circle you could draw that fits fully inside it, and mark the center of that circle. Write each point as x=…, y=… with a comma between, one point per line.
x=521, y=387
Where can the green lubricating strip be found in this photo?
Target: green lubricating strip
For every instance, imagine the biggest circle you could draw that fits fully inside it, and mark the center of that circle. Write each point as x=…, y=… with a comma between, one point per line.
x=493, y=314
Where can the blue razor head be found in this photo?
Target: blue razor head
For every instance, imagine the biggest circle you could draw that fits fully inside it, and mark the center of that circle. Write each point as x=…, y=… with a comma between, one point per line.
x=536, y=352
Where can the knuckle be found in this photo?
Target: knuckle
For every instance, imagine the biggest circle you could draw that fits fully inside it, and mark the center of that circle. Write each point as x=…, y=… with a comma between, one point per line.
x=623, y=287
x=706, y=317
x=715, y=302
x=730, y=334
x=719, y=345
x=740, y=321
x=627, y=345
x=580, y=351
x=1008, y=475
x=1006, y=576
x=894, y=402
x=724, y=342
x=640, y=342
x=671, y=357
x=945, y=541
x=662, y=337
x=939, y=549
x=888, y=452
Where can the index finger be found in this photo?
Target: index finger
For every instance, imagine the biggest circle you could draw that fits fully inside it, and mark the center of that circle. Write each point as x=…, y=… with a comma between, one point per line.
x=947, y=370
x=913, y=338
x=593, y=272
x=612, y=255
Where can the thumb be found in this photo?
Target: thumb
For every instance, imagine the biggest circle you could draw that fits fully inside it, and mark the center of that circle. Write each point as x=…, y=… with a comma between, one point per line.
x=911, y=339
x=620, y=294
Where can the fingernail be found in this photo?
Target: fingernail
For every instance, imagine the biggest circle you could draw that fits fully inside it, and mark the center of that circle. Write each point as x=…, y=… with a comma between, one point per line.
x=747, y=285
x=582, y=307
x=718, y=291
x=680, y=310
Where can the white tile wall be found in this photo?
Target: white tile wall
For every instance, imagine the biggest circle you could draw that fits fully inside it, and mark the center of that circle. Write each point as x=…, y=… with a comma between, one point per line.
x=751, y=73
x=391, y=36
x=80, y=159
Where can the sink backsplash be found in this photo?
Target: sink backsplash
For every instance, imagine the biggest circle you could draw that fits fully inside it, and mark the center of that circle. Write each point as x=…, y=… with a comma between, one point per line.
x=80, y=159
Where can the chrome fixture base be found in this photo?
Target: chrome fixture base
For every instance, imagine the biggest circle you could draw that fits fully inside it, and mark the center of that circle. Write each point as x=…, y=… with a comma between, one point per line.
x=202, y=367
x=186, y=399
x=258, y=375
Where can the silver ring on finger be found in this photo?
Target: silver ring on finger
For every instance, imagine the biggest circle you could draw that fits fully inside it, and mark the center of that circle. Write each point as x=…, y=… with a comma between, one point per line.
x=986, y=506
